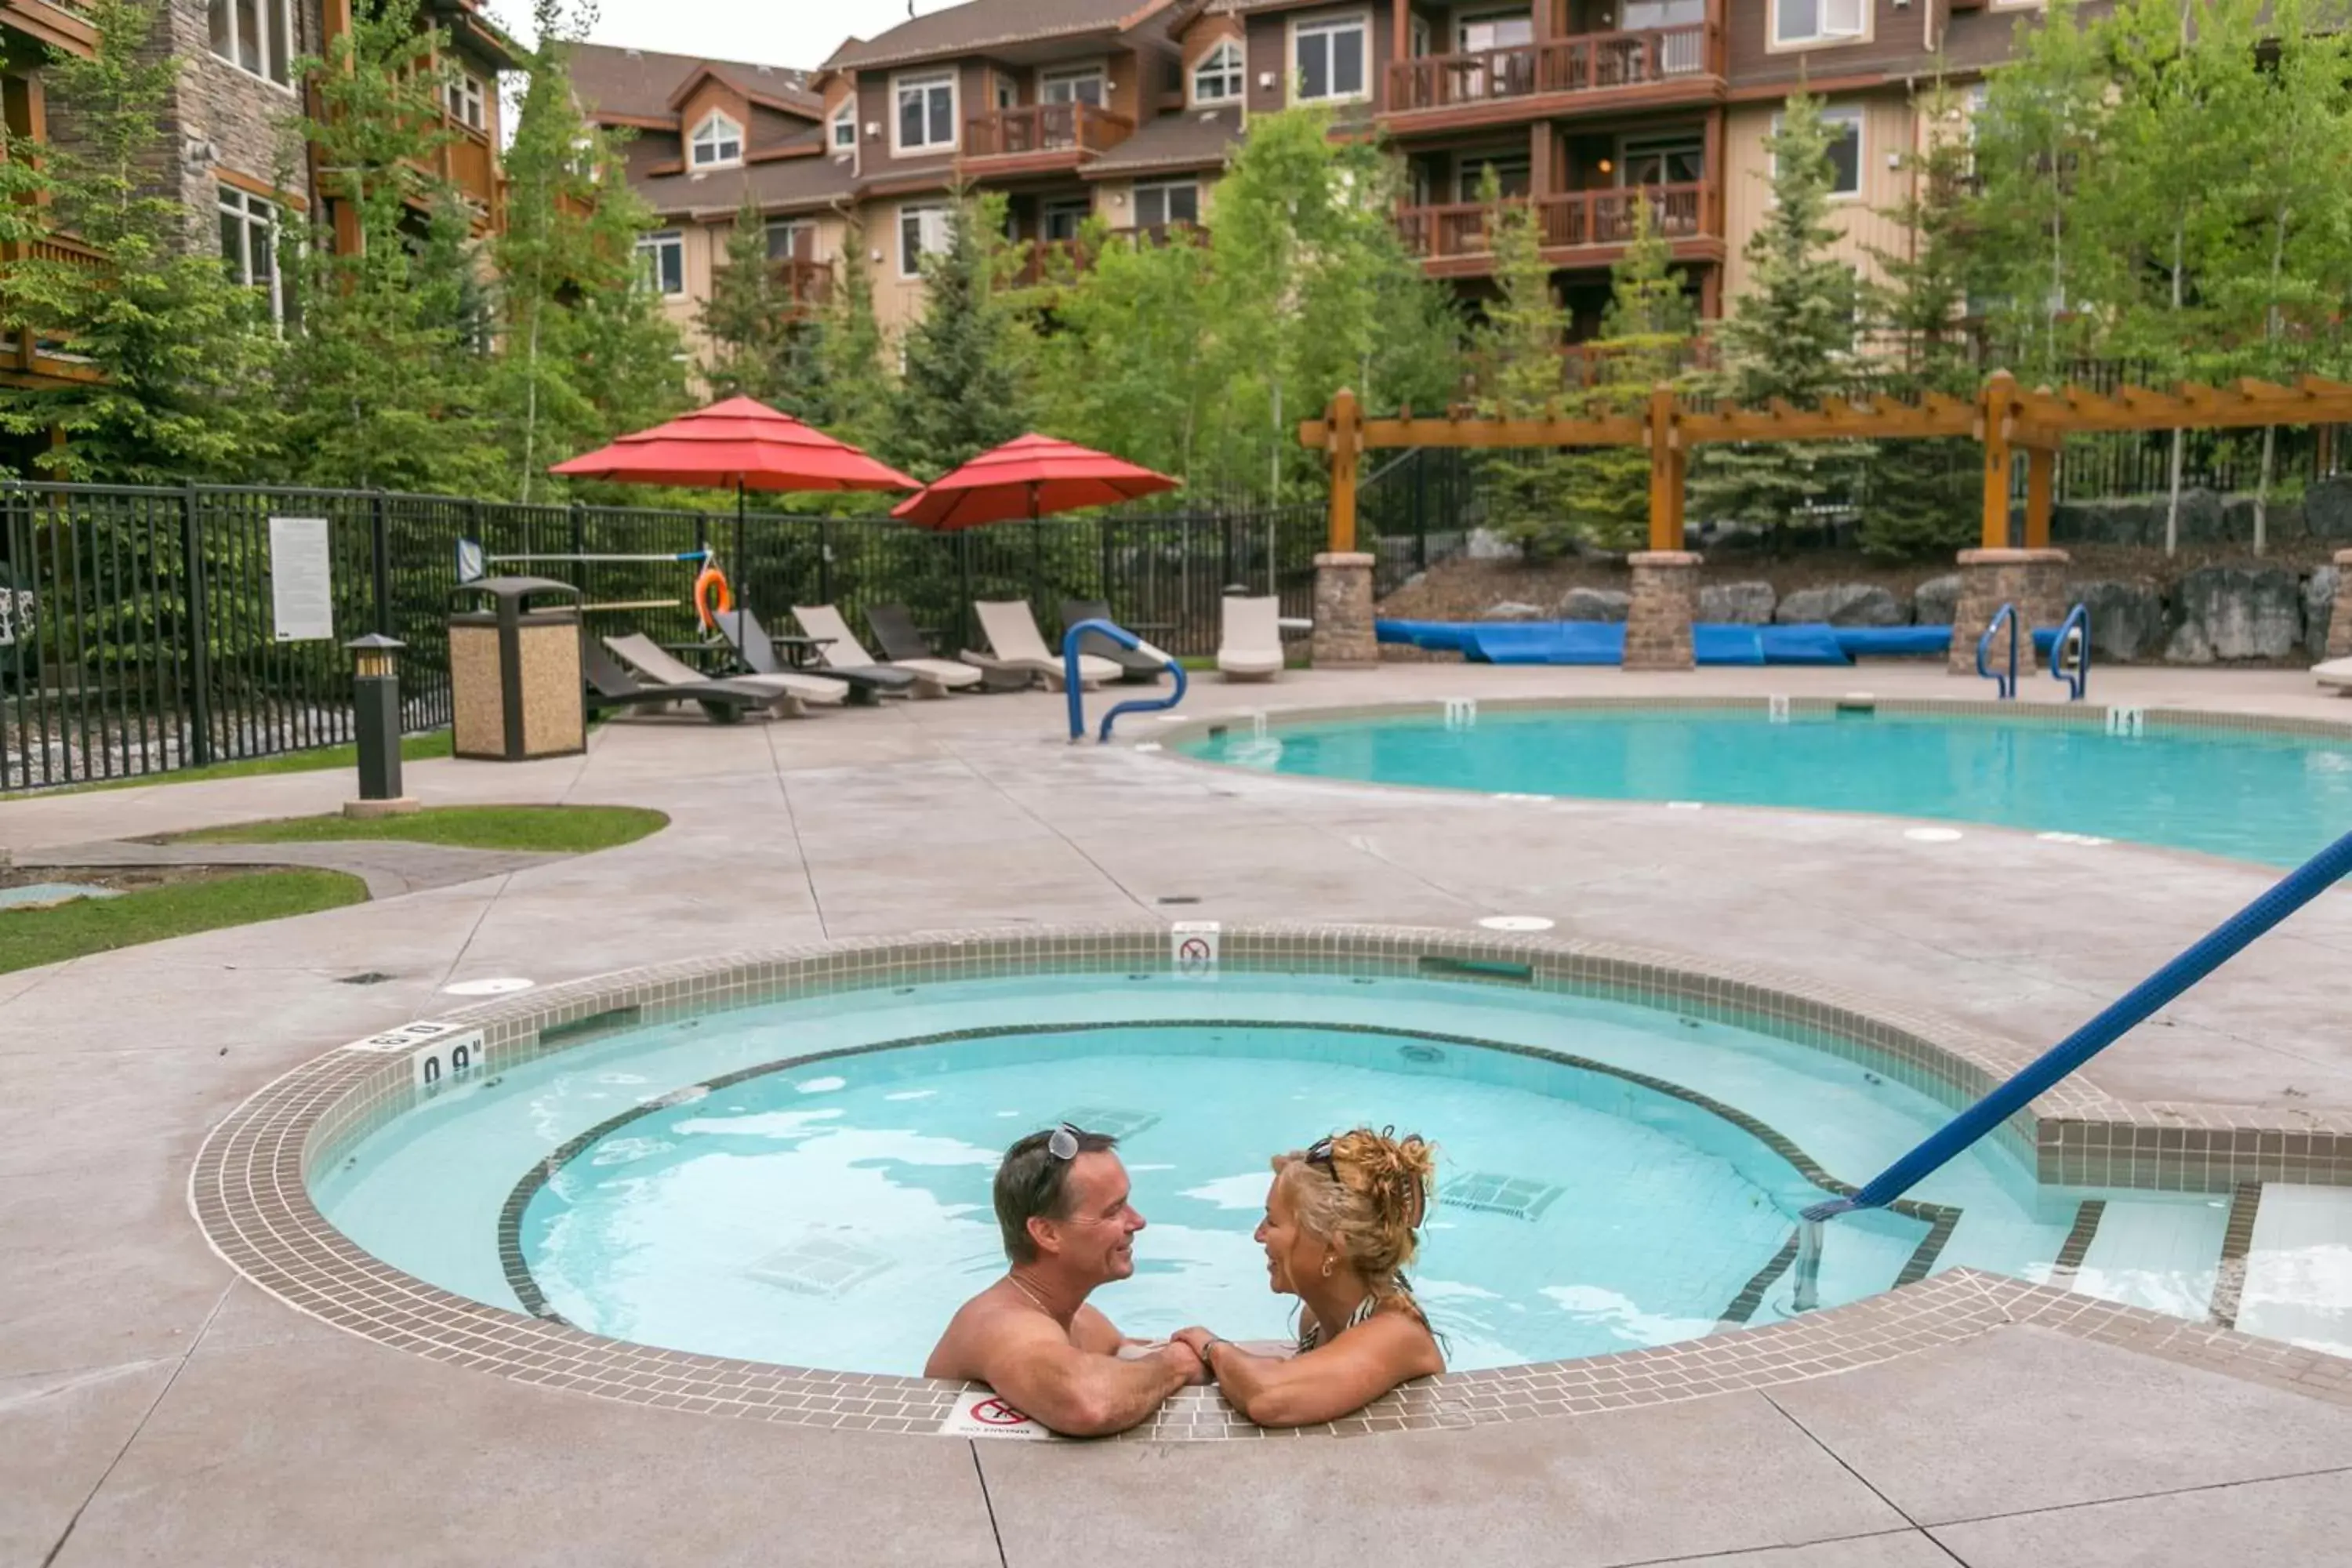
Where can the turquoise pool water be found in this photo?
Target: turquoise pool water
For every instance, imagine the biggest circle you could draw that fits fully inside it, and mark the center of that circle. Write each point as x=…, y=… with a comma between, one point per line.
x=764, y=1184
x=2252, y=796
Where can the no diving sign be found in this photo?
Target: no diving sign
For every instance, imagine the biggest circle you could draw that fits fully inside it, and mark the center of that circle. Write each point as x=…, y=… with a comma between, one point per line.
x=1192, y=948
x=980, y=1414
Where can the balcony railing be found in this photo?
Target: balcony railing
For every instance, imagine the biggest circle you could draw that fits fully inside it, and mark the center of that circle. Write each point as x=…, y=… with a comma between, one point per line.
x=807, y=284
x=1034, y=128
x=1585, y=63
x=1569, y=221
x=29, y=349
x=1053, y=261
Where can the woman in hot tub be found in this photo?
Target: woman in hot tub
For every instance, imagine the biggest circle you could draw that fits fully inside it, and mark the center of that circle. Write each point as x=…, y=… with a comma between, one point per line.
x=1340, y=1226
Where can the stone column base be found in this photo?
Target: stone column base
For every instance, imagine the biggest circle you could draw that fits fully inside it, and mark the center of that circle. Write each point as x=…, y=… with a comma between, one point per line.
x=1665, y=601
x=2032, y=579
x=1343, y=638
x=2340, y=624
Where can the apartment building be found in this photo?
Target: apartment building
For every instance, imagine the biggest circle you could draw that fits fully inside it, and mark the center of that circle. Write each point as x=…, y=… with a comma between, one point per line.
x=1128, y=109
x=29, y=31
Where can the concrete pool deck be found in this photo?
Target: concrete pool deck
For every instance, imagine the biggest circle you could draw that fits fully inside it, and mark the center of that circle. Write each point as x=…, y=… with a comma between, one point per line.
x=155, y=1407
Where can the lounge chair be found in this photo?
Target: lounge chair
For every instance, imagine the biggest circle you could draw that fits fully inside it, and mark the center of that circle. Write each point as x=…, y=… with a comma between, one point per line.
x=1250, y=647
x=610, y=686
x=757, y=649
x=2336, y=674
x=1014, y=644
x=1135, y=666
x=904, y=644
x=842, y=650
x=658, y=667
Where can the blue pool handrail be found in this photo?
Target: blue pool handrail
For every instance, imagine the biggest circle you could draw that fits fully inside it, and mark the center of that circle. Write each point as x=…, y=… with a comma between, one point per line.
x=1124, y=639
x=2078, y=680
x=2226, y=941
x=2004, y=686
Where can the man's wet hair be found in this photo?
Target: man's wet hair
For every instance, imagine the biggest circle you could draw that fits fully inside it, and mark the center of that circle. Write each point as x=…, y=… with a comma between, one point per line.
x=1032, y=1182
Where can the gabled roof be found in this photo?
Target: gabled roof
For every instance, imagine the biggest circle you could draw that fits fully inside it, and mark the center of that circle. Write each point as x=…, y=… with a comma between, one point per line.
x=979, y=26
x=1171, y=143
x=643, y=86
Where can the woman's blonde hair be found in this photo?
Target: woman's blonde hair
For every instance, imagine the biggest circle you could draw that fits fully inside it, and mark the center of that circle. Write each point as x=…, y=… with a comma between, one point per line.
x=1366, y=1198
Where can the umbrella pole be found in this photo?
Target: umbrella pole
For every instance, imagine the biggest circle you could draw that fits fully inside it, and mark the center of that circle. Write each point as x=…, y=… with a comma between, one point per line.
x=1036, y=549
x=743, y=565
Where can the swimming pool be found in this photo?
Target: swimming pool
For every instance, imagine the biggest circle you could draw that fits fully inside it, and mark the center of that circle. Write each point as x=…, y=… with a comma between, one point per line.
x=2250, y=794
x=806, y=1181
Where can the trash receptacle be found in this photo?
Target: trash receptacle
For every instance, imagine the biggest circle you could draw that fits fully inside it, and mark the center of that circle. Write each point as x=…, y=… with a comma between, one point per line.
x=514, y=672
x=20, y=652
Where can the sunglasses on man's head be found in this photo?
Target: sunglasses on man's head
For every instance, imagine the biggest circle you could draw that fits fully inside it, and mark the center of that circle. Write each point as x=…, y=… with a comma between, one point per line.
x=1064, y=1143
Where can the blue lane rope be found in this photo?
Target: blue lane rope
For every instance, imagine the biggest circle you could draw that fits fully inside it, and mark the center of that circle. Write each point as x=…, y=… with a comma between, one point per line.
x=1124, y=639
x=2298, y=887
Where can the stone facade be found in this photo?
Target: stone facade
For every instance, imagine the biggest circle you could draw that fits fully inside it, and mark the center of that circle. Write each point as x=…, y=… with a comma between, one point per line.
x=223, y=117
x=2340, y=626
x=1343, y=636
x=1665, y=600
x=2032, y=579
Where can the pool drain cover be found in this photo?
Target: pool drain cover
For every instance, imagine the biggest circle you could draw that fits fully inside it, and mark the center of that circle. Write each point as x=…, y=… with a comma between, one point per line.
x=1516, y=1196
x=819, y=1265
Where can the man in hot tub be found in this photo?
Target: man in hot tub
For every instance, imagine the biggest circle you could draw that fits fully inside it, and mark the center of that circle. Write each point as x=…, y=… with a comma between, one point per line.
x=1062, y=1204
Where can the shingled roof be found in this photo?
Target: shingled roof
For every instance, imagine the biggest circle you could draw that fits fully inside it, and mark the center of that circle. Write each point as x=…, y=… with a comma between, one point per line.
x=636, y=84
x=980, y=25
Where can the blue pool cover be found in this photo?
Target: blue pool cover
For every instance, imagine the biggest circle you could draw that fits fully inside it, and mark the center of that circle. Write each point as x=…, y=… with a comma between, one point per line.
x=1604, y=642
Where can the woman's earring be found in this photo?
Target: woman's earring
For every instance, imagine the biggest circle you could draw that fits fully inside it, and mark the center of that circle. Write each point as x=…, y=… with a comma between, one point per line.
x=1326, y=1268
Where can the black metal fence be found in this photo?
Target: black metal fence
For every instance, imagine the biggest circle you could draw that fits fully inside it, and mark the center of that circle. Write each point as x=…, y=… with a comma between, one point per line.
x=138, y=633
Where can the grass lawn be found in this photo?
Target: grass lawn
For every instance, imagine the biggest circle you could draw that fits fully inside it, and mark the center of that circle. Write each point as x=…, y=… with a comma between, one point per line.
x=28, y=937
x=548, y=830
x=412, y=749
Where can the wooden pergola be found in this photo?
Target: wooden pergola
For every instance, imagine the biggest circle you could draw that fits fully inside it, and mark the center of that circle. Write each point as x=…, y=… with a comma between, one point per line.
x=2003, y=418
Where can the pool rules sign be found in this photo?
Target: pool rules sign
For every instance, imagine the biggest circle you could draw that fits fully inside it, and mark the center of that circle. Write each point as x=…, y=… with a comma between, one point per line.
x=301, y=580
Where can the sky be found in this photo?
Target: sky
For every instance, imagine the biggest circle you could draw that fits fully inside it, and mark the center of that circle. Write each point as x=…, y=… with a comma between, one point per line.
x=799, y=32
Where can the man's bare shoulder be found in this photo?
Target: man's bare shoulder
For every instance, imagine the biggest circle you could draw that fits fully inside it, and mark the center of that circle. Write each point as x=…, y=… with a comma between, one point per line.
x=996, y=1319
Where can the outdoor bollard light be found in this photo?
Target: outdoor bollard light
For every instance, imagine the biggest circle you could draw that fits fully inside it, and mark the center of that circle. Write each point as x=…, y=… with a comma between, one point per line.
x=376, y=702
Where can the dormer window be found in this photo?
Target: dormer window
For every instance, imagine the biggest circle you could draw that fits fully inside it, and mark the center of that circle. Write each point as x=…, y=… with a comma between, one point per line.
x=845, y=127
x=716, y=142
x=1220, y=76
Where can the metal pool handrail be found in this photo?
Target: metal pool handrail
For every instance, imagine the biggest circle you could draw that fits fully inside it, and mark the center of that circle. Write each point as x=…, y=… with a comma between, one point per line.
x=1124, y=639
x=2078, y=681
x=2004, y=687
x=2232, y=937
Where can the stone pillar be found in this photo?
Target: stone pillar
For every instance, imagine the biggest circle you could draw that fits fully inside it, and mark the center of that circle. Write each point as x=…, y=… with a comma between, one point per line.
x=1343, y=611
x=2340, y=624
x=1665, y=601
x=2032, y=579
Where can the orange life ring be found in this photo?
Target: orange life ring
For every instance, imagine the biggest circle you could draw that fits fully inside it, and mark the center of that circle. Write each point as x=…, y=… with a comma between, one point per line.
x=712, y=577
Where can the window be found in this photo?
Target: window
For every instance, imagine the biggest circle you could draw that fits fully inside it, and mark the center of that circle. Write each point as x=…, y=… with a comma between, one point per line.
x=1060, y=220
x=663, y=258
x=1081, y=86
x=1506, y=30
x=1220, y=78
x=466, y=101
x=1818, y=21
x=922, y=231
x=248, y=236
x=1844, y=129
x=1514, y=174
x=717, y=141
x=792, y=239
x=1643, y=15
x=1328, y=57
x=1157, y=206
x=256, y=34
x=927, y=111
x=1662, y=161
x=845, y=127
x=1008, y=91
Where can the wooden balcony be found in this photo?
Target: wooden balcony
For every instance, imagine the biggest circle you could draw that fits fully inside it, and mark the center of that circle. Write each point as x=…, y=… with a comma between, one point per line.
x=28, y=351
x=1577, y=228
x=1055, y=260
x=808, y=285
x=1042, y=136
x=469, y=163
x=1557, y=76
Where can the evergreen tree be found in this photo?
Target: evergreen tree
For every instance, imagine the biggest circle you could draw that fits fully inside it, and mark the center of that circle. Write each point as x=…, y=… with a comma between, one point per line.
x=1923, y=496
x=965, y=388
x=858, y=395
x=181, y=353
x=1518, y=351
x=1791, y=335
x=748, y=319
x=386, y=385
x=585, y=352
x=1645, y=338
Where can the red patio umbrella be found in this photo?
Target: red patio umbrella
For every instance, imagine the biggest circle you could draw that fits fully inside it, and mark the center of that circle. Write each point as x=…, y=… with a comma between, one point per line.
x=1028, y=477
x=740, y=442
